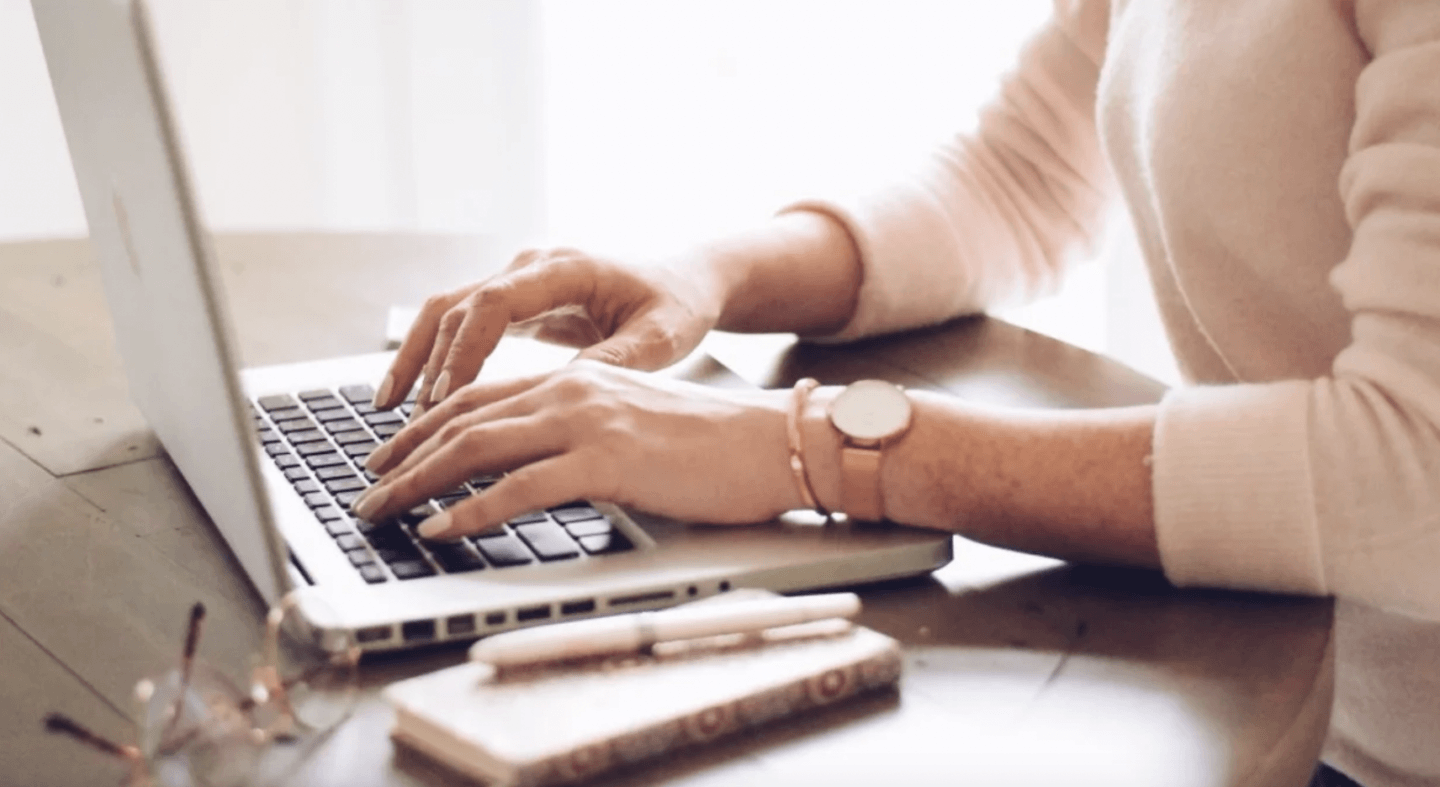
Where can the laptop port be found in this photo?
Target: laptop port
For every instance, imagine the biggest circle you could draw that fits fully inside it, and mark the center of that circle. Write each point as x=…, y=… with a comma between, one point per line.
x=494, y=618
x=459, y=625
x=642, y=598
x=577, y=607
x=373, y=634
x=533, y=613
x=418, y=630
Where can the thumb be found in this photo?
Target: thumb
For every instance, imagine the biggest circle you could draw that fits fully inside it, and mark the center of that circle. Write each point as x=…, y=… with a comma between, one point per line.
x=642, y=345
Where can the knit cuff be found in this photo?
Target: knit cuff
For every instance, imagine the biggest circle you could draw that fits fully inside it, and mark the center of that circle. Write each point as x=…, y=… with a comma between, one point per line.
x=1234, y=503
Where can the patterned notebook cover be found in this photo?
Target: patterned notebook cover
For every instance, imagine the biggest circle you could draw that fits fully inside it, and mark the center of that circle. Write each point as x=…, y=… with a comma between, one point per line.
x=560, y=724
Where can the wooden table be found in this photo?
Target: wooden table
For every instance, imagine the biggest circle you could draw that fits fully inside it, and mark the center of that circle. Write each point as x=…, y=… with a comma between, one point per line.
x=1019, y=670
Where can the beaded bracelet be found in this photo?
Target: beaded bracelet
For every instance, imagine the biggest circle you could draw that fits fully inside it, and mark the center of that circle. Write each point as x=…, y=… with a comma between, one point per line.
x=802, y=391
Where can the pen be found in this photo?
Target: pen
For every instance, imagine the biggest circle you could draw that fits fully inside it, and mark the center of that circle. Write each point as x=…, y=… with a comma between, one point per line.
x=639, y=630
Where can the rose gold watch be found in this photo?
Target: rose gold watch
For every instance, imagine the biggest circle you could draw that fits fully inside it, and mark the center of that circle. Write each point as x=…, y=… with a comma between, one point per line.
x=870, y=414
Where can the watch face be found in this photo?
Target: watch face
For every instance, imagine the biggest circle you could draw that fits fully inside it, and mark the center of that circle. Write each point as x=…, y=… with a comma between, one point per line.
x=871, y=410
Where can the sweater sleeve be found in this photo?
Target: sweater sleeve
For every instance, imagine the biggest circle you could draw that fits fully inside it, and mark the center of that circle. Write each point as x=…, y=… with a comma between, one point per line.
x=994, y=215
x=1333, y=485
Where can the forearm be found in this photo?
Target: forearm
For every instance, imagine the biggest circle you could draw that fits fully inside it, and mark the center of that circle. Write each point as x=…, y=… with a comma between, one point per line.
x=1070, y=484
x=799, y=272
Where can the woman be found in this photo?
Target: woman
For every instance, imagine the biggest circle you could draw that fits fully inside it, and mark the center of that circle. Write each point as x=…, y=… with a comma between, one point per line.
x=1281, y=161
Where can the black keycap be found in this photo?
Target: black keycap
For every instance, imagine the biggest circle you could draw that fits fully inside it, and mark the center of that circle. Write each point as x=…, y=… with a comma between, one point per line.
x=334, y=472
x=567, y=515
x=293, y=474
x=549, y=540
x=589, y=527
x=332, y=459
x=375, y=419
x=360, y=557
x=349, y=541
x=286, y=461
x=369, y=476
x=324, y=403
x=339, y=485
x=357, y=393
x=484, y=481
x=329, y=514
x=295, y=425
x=417, y=515
x=361, y=450
x=398, y=554
x=533, y=516
x=331, y=414
x=277, y=402
x=457, y=557
x=372, y=574
x=316, y=499
x=352, y=436
x=277, y=449
x=364, y=408
x=367, y=527
x=386, y=536
x=286, y=414
x=305, y=436
x=345, y=499
x=450, y=500
x=387, y=431
x=605, y=543
x=503, y=550
x=408, y=409
x=318, y=393
x=313, y=448
x=411, y=569
x=306, y=486
x=269, y=436
x=346, y=424
x=338, y=527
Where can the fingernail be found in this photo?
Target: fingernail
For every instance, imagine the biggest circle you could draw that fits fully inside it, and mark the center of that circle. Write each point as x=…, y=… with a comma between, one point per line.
x=434, y=526
x=442, y=386
x=371, y=501
x=378, y=458
x=383, y=395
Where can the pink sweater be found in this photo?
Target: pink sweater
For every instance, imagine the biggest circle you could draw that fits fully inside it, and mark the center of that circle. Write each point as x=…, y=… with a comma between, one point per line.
x=1281, y=161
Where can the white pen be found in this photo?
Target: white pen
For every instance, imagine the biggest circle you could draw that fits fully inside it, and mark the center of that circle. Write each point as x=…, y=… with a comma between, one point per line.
x=639, y=630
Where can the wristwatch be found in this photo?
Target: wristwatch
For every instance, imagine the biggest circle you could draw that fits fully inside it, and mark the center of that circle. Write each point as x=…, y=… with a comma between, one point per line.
x=870, y=414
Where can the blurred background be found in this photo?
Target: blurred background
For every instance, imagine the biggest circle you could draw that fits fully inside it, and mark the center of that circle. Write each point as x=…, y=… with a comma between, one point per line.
x=626, y=126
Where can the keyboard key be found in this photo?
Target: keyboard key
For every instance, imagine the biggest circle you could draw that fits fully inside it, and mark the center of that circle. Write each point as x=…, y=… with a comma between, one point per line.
x=339, y=485
x=349, y=541
x=388, y=535
x=295, y=425
x=346, y=424
x=361, y=450
x=372, y=574
x=484, y=481
x=286, y=461
x=605, y=543
x=567, y=515
x=277, y=402
x=371, y=477
x=337, y=527
x=328, y=514
x=457, y=557
x=352, y=436
x=411, y=569
x=277, y=450
x=335, y=471
x=269, y=436
x=549, y=540
x=589, y=527
x=345, y=499
x=357, y=393
x=375, y=419
x=313, y=448
x=417, y=515
x=294, y=474
x=363, y=408
x=317, y=461
x=324, y=403
x=305, y=436
x=331, y=414
x=318, y=393
x=503, y=550
x=305, y=486
x=451, y=500
x=286, y=414
x=387, y=431
x=316, y=499
x=360, y=557
x=398, y=554
x=533, y=516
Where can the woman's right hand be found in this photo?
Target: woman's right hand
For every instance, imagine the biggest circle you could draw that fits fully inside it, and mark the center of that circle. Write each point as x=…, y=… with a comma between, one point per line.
x=640, y=318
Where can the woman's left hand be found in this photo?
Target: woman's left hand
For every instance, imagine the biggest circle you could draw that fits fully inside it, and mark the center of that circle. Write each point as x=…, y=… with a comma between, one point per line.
x=590, y=430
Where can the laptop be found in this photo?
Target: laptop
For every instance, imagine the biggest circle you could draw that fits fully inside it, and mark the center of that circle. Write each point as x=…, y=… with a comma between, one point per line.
x=275, y=454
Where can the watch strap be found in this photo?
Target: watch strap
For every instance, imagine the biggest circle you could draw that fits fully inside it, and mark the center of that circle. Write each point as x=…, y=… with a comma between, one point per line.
x=860, y=483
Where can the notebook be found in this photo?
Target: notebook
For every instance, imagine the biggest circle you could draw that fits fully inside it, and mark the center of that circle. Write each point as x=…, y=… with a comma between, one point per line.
x=275, y=453
x=560, y=724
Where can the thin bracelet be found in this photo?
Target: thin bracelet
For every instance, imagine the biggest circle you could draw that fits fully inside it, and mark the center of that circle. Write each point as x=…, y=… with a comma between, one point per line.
x=802, y=391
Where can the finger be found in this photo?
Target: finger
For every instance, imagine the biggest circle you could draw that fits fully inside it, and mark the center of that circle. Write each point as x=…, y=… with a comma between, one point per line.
x=425, y=423
x=481, y=449
x=411, y=356
x=449, y=326
x=533, y=487
x=472, y=329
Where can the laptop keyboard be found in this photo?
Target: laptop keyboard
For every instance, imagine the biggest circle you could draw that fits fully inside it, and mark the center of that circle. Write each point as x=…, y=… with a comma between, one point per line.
x=320, y=439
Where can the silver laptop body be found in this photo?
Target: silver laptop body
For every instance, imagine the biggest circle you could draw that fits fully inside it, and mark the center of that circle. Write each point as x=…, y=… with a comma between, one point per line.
x=173, y=334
